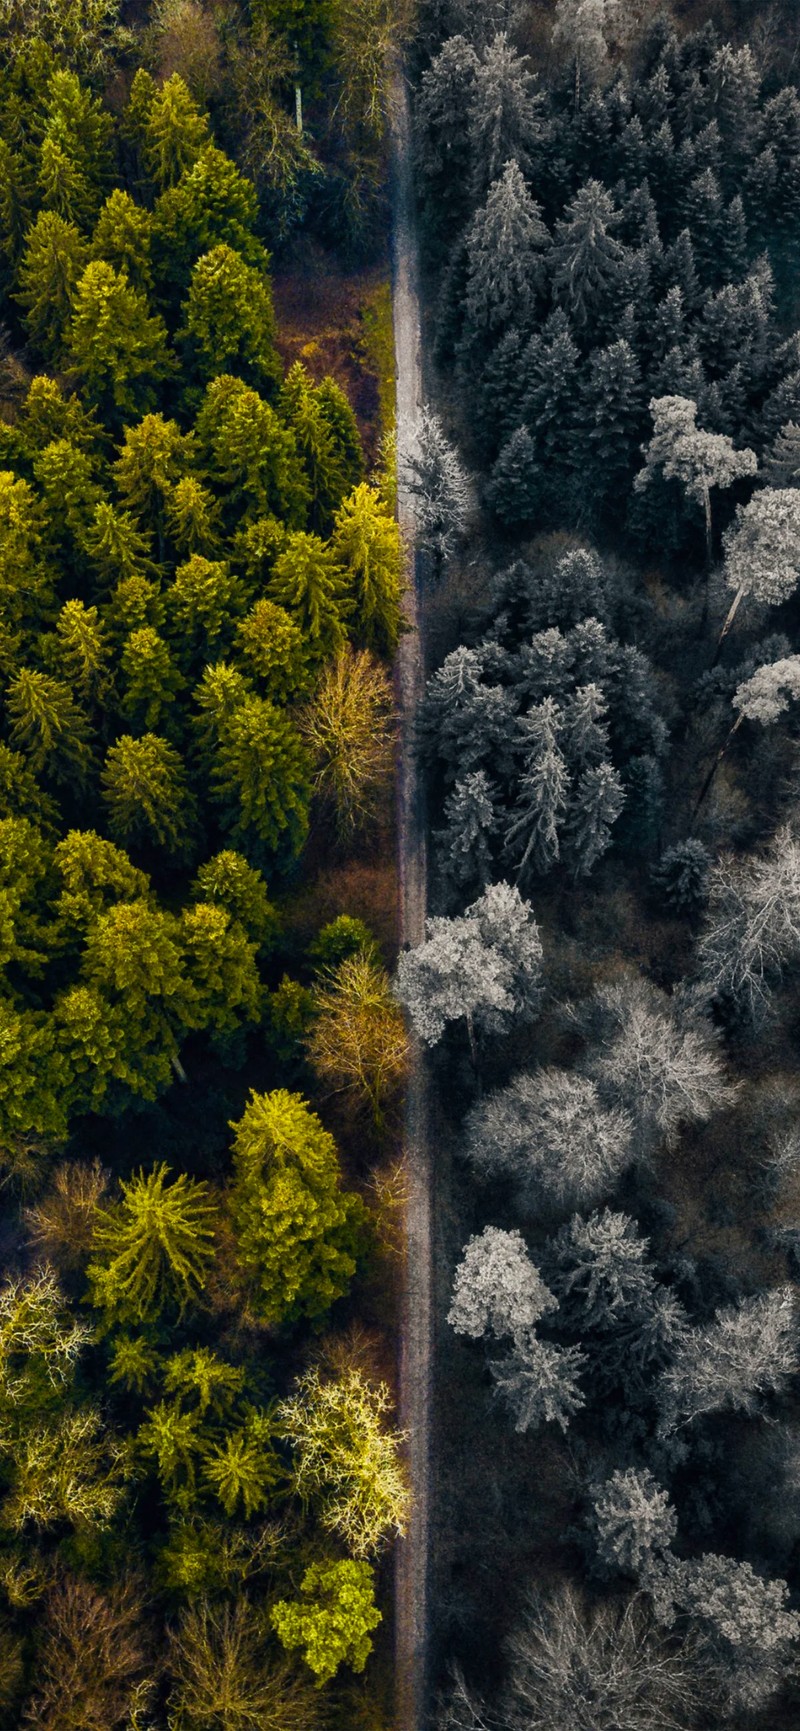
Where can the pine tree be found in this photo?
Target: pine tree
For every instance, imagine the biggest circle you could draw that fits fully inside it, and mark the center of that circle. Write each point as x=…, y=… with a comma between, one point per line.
x=532, y=835
x=83, y=652
x=614, y=411
x=145, y=793
x=154, y=456
x=174, y=133
x=221, y=972
x=464, y=845
x=203, y=605
x=586, y=260
x=518, y=482
x=152, y=1248
x=308, y=581
x=228, y=319
x=123, y=237
x=228, y=880
x=596, y=803
x=442, y=150
x=192, y=515
x=115, y=546
x=505, y=242
x=539, y=1382
x=49, y=727
x=632, y=1520
x=366, y=543
x=260, y=779
x=503, y=117
x=52, y=264
x=275, y=651
x=781, y=466
x=297, y=1231
x=441, y=490
x=317, y=423
x=150, y=679
x=497, y=1290
x=251, y=455
x=115, y=344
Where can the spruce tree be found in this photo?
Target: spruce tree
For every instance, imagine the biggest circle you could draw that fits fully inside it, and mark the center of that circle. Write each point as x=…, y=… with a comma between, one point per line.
x=145, y=793
x=503, y=114
x=505, y=242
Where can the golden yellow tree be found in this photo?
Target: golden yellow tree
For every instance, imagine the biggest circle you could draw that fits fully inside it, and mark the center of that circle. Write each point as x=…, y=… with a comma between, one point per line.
x=358, y=1039
x=349, y=728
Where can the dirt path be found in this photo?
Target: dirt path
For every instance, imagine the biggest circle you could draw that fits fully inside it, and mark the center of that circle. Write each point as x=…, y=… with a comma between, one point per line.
x=411, y=1620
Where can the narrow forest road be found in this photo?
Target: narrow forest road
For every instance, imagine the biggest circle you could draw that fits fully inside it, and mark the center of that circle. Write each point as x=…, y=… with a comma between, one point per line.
x=411, y=1586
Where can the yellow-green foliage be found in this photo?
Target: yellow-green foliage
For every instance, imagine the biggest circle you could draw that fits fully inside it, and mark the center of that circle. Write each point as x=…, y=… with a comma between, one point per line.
x=347, y=1458
x=297, y=1231
x=333, y=1621
x=153, y=1247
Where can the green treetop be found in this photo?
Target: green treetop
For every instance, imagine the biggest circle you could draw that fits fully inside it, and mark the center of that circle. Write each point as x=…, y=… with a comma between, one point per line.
x=123, y=236
x=146, y=794
x=229, y=881
x=150, y=680
x=309, y=583
x=212, y=205
x=66, y=476
x=83, y=652
x=296, y=1230
x=48, y=725
x=260, y=778
x=153, y=1247
x=203, y=604
x=94, y=876
x=32, y=1078
x=327, y=438
x=250, y=454
x=174, y=133
x=221, y=966
x=114, y=544
x=154, y=456
x=228, y=321
x=134, y=602
x=193, y=517
x=220, y=693
x=366, y=542
x=52, y=264
x=333, y=1621
x=115, y=344
x=47, y=414
x=275, y=651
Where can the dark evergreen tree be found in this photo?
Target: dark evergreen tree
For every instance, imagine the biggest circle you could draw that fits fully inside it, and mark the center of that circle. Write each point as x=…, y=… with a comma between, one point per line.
x=518, y=482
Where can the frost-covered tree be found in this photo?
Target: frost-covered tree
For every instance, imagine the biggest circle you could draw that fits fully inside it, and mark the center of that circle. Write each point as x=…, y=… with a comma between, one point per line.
x=652, y=1058
x=742, y=1620
x=597, y=801
x=699, y=460
x=781, y=466
x=542, y=793
x=586, y=258
x=682, y=876
x=750, y=1349
x=752, y=929
x=604, y=1667
x=551, y=1134
x=484, y=966
x=505, y=243
x=504, y=115
x=632, y=1520
x=539, y=1381
x=599, y=1270
x=466, y=723
x=762, y=550
x=440, y=487
x=498, y=1289
x=464, y=845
